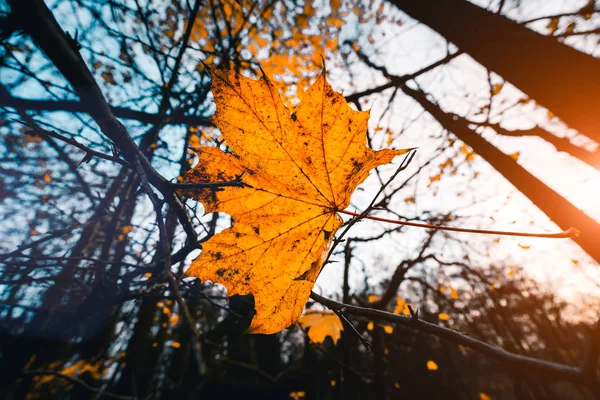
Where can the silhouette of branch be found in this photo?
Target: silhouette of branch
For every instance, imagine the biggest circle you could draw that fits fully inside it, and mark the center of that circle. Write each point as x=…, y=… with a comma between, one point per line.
x=119, y=112
x=526, y=364
x=80, y=382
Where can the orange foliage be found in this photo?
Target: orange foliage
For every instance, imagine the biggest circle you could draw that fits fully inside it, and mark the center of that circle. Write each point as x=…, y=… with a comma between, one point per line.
x=299, y=170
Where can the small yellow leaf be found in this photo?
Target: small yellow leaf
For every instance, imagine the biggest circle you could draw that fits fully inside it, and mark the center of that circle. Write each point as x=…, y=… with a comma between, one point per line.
x=465, y=149
x=372, y=298
x=175, y=345
x=432, y=366
x=483, y=396
x=321, y=324
x=397, y=385
x=47, y=178
x=34, y=232
x=148, y=275
x=297, y=395
x=552, y=25
x=401, y=307
x=409, y=200
x=388, y=329
x=511, y=270
x=453, y=293
x=370, y=326
x=435, y=178
x=496, y=88
x=515, y=156
x=332, y=383
x=174, y=319
x=524, y=246
x=569, y=29
x=443, y=316
x=446, y=164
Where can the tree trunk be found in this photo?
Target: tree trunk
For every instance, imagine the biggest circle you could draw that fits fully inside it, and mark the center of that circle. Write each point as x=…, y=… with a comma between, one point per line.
x=557, y=76
x=556, y=207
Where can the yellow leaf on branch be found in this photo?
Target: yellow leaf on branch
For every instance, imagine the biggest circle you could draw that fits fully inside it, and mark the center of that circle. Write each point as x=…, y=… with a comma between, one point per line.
x=299, y=170
x=321, y=324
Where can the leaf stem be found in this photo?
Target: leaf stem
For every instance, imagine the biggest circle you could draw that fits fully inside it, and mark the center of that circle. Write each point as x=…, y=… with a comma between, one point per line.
x=569, y=233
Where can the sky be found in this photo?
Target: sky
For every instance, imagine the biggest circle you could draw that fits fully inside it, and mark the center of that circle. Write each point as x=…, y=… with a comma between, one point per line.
x=560, y=264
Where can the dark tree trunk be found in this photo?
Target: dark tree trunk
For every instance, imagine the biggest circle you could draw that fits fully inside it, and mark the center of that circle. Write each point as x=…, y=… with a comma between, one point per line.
x=556, y=207
x=555, y=75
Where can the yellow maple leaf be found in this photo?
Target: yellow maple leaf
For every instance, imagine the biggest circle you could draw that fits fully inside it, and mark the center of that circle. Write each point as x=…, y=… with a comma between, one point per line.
x=299, y=170
x=321, y=324
x=443, y=316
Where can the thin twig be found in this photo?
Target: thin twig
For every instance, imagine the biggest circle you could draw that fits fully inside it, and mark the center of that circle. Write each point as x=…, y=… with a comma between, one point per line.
x=568, y=234
x=166, y=256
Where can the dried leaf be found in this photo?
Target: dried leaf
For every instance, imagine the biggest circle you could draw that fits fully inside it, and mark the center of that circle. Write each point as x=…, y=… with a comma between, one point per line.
x=299, y=171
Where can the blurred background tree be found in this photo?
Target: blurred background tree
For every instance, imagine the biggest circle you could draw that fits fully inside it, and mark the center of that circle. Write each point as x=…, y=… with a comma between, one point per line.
x=501, y=101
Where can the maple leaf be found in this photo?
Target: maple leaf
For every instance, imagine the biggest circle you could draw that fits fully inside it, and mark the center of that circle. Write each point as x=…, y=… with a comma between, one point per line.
x=299, y=170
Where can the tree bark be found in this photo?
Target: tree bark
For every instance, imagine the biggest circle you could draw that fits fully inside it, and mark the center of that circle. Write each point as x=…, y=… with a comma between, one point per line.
x=557, y=76
x=556, y=207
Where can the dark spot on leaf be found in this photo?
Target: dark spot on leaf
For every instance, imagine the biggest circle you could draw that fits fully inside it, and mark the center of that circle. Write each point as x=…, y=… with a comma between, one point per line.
x=327, y=234
x=256, y=229
x=294, y=118
x=237, y=234
x=247, y=277
x=218, y=255
x=221, y=271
